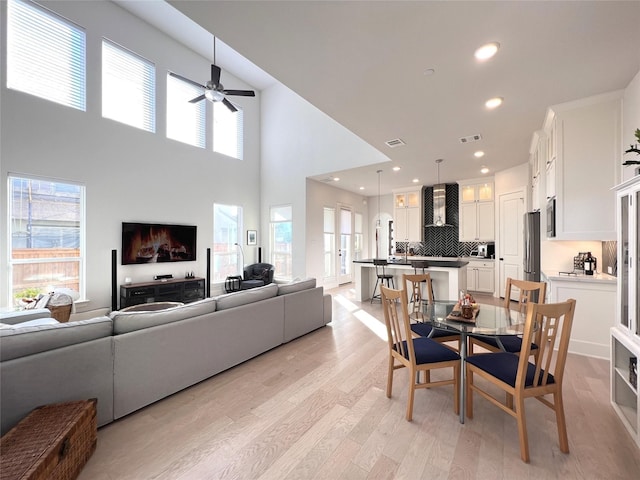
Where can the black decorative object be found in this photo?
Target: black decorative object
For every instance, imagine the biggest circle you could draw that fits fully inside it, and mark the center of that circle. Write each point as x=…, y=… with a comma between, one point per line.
x=633, y=371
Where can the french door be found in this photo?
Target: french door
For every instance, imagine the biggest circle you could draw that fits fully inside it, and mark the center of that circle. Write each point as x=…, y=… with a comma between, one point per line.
x=344, y=244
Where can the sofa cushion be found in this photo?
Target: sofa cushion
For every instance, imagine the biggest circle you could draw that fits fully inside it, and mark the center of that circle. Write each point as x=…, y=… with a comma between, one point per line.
x=296, y=286
x=20, y=316
x=22, y=341
x=125, y=322
x=235, y=299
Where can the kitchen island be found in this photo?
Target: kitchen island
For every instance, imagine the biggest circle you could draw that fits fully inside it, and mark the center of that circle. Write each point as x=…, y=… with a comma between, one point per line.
x=448, y=274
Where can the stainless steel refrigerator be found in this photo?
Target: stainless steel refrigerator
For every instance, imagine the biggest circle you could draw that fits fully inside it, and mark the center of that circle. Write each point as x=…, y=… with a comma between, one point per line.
x=531, y=255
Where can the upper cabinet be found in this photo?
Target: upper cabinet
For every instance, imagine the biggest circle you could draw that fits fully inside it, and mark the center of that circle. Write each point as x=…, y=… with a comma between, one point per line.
x=476, y=210
x=583, y=153
x=407, y=214
x=537, y=159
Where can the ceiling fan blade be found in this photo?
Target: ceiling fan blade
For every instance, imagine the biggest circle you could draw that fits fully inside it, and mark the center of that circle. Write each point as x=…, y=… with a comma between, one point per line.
x=229, y=105
x=197, y=99
x=242, y=93
x=185, y=79
x=215, y=74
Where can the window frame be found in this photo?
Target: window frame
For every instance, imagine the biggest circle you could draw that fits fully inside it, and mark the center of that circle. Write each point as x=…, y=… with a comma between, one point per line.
x=221, y=110
x=80, y=259
x=146, y=120
x=65, y=86
x=231, y=250
x=178, y=116
x=283, y=268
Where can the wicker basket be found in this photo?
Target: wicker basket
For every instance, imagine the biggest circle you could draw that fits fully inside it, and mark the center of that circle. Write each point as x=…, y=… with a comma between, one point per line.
x=60, y=312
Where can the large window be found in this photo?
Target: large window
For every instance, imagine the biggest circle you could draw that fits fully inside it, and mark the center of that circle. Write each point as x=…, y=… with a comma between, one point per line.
x=185, y=121
x=280, y=240
x=228, y=257
x=329, y=241
x=228, y=131
x=47, y=237
x=128, y=87
x=45, y=55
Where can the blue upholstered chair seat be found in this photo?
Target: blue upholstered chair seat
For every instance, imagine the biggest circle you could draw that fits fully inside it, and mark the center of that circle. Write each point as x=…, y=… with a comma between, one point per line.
x=504, y=366
x=424, y=329
x=430, y=351
x=511, y=343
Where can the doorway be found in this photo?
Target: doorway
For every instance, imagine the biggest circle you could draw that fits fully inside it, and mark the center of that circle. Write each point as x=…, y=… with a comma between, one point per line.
x=510, y=238
x=345, y=244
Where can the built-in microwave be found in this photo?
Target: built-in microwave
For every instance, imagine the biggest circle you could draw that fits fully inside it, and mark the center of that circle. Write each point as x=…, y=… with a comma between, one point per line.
x=551, y=218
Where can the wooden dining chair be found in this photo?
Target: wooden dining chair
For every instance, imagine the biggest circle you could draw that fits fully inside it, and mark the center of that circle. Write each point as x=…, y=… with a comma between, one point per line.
x=417, y=285
x=529, y=292
x=522, y=379
x=416, y=354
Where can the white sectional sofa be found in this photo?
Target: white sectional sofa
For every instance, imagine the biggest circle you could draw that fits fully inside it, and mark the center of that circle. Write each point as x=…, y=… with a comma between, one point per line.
x=131, y=359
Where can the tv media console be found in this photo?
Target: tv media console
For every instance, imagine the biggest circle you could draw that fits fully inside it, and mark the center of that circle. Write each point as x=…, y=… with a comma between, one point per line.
x=183, y=290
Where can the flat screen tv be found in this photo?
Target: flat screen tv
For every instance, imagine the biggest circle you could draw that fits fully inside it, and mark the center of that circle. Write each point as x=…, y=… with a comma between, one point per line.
x=157, y=243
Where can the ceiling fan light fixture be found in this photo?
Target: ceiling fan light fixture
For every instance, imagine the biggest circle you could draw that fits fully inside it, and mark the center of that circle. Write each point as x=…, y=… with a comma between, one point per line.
x=214, y=95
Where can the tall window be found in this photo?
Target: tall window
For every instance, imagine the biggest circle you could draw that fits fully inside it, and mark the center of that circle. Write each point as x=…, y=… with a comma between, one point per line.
x=185, y=121
x=128, y=87
x=45, y=55
x=280, y=241
x=228, y=131
x=329, y=241
x=358, y=238
x=228, y=257
x=47, y=236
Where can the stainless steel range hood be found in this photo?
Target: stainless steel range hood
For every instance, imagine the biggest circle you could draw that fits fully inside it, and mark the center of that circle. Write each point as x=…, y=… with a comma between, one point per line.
x=440, y=206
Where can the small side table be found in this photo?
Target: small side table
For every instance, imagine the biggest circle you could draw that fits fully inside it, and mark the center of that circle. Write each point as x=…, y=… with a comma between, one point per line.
x=232, y=283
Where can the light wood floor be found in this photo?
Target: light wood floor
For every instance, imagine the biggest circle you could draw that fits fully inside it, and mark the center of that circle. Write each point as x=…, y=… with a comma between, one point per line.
x=315, y=408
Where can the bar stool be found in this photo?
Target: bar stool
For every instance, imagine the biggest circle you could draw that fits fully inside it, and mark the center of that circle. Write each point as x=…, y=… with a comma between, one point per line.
x=421, y=265
x=382, y=277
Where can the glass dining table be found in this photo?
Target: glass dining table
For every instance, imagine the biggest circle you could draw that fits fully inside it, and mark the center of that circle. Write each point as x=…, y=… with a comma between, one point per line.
x=490, y=320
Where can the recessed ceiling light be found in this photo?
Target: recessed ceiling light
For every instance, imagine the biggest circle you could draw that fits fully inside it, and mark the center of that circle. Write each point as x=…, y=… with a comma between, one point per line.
x=429, y=71
x=361, y=188
x=395, y=169
x=415, y=180
x=336, y=179
x=494, y=102
x=478, y=154
x=484, y=170
x=487, y=51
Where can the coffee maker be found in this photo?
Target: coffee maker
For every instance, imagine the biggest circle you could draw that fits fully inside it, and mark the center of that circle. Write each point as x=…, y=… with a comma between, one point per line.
x=486, y=250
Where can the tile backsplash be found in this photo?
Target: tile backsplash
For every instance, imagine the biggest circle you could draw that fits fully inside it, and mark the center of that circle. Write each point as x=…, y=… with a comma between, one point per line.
x=609, y=258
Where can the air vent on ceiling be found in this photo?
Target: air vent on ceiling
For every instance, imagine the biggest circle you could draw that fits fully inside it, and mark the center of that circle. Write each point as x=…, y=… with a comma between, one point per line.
x=396, y=142
x=471, y=138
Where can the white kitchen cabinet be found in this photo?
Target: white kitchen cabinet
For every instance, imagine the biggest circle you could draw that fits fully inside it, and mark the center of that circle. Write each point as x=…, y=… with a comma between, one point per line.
x=407, y=215
x=481, y=276
x=584, y=153
x=625, y=334
x=476, y=212
x=537, y=154
x=595, y=301
x=550, y=182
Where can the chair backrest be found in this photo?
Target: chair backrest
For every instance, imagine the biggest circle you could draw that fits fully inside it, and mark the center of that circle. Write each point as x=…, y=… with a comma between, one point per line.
x=527, y=290
x=421, y=265
x=380, y=264
x=397, y=322
x=416, y=284
x=551, y=324
x=259, y=271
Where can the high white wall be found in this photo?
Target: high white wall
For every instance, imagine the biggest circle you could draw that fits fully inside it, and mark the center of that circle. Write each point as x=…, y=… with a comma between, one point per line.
x=129, y=174
x=298, y=141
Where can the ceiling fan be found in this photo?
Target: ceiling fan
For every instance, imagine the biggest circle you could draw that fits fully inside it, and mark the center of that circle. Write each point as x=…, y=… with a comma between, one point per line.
x=214, y=91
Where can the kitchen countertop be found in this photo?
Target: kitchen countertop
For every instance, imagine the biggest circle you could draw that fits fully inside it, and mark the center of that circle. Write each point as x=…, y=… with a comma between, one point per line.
x=450, y=262
x=595, y=278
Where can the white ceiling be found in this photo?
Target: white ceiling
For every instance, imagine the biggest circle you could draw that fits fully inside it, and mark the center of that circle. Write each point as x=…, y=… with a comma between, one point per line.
x=363, y=64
